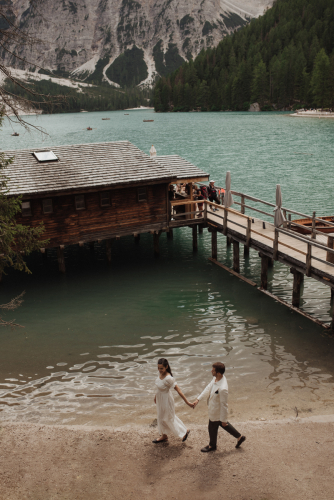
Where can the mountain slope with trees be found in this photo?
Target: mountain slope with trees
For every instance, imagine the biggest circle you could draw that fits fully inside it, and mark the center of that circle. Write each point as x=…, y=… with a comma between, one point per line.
x=281, y=60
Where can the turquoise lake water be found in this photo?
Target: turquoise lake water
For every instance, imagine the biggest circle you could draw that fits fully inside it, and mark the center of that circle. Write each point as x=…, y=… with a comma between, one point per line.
x=91, y=340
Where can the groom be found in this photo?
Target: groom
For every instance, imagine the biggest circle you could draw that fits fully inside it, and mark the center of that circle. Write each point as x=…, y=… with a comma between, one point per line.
x=217, y=394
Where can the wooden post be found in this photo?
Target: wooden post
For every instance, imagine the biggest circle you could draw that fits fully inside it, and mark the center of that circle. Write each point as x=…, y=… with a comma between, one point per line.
x=248, y=237
x=242, y=209
x=200, y=229
x=214, y=243
x=289, y=223
x=236, y=258
x=194, y=229
x=275, y=248
x=270, y=262
x=191, y=206
x=225, y=222
x=170, y=234
x=332, y=294
x=264, y=271
x=205, y=211
x=298, y=279
x=156, y=237
x=136, y=237
x=330, y=244
x=313, y=236
x=308, y=259
x=284, y=223
x=108, y=250
x=228, y=241
x=61, y=259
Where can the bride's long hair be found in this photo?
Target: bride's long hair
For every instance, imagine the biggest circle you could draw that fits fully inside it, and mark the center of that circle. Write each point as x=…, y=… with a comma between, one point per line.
x=164, y=362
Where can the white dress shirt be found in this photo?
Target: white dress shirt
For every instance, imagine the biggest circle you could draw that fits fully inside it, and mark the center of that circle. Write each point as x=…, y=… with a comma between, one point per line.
x=217, y=394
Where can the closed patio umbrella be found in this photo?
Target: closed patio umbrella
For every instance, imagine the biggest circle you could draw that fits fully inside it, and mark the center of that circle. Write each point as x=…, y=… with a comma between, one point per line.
x=279, y=217
x=153, y=152
x=228, y=199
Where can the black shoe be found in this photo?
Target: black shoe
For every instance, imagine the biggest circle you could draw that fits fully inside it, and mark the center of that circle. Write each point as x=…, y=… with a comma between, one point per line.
x=185, y=436
x=206, y=449
x=241, y=440
x=157, y=441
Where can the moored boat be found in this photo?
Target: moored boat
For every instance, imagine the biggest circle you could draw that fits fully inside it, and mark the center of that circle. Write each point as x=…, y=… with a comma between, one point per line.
x=319, y=225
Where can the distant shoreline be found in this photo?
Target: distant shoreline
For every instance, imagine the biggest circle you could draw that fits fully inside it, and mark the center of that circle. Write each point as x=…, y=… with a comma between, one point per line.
x=313, y=114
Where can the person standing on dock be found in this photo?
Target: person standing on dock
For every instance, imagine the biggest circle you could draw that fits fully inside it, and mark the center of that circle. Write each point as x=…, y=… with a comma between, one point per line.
x=168, y=422
x=217, y=394
x=213, y=195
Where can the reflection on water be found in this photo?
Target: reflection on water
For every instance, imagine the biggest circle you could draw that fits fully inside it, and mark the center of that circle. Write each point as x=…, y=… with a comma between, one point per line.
x=92, y=338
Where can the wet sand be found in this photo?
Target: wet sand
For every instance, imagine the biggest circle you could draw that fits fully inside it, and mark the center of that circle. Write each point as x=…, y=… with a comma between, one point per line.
x=288, y=459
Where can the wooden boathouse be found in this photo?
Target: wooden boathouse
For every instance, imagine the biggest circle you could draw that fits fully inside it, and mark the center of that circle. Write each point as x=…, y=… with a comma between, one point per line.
x=91, y=192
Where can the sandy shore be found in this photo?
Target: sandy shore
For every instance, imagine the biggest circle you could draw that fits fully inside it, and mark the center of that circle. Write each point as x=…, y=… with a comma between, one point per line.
x=288, y=459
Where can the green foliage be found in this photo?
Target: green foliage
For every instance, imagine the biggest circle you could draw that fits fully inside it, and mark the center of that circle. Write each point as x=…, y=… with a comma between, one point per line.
x=95, y=98
x=207, y=28
x=283, y=58
x=129, y=68
x=233, y=21
x=16, y=239
x=320, y=78
x=185, y=21
x=168, y=62
x=97, y=76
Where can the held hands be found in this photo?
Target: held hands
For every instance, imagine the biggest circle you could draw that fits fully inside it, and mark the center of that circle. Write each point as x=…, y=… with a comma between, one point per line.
x=195, y=403
x=189, y=404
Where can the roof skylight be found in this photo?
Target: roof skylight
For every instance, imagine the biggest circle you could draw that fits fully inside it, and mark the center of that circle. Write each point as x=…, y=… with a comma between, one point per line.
x=42, y=156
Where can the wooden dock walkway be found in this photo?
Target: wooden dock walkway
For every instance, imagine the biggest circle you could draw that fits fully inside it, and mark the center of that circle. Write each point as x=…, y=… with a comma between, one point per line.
x=306, y=254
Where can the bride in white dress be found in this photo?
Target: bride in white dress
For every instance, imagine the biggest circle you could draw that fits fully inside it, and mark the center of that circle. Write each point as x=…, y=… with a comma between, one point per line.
x=168, y=422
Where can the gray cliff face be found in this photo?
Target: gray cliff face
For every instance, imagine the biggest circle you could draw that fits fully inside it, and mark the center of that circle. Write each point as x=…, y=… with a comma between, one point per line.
x=86, y=37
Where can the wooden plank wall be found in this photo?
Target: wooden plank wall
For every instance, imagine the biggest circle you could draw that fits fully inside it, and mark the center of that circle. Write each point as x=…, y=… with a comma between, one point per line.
x=66, y=225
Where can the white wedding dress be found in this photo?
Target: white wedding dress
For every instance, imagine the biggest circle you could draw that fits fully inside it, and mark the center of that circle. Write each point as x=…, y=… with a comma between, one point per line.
x=168, y=422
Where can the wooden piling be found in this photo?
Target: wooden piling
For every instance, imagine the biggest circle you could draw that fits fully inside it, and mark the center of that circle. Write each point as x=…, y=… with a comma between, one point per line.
x=313, y=235
x=228, y=241
x=246, y=251
x=136, y=237
x=330, y=244
x=194, y=230
x=298, y=279
x=214, y=243
x=170, y=234
x=108, y=250
x=236, y=258
x=308, y=259
x=61, y=259
x=156, y=237
x=264, y=271
x=200, y=229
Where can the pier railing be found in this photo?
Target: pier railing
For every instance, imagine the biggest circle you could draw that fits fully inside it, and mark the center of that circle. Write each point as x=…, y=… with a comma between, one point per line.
x=285, y=230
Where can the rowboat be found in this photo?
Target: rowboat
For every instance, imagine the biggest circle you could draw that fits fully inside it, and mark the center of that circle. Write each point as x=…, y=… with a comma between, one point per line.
x=105, y=118
x=148, y=120
x=319, y=226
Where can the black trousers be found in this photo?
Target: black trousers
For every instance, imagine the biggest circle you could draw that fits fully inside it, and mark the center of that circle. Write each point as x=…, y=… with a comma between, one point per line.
x=214, y=199
x=213, y=431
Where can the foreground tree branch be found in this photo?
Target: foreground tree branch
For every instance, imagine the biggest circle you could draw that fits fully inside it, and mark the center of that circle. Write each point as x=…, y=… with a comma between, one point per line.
x=12, y=38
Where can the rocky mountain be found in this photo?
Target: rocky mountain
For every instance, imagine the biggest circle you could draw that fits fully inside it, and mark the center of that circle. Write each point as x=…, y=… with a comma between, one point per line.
x=124, y=42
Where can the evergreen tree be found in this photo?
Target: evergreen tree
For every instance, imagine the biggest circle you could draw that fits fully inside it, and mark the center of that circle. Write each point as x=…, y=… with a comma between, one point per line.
x=319, y=80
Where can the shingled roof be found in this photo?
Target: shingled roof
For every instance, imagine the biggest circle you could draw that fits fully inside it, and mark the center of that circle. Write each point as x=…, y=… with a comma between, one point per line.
x=83, y=166
x=181, y=168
